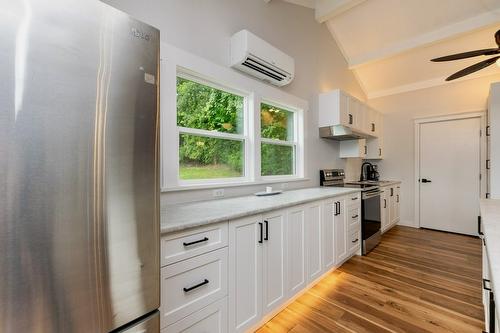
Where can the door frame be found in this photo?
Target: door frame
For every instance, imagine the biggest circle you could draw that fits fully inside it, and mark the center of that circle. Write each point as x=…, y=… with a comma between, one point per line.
x=481, y=114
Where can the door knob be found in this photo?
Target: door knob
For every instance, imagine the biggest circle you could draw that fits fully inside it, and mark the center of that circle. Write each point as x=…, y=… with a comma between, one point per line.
x=426, y=180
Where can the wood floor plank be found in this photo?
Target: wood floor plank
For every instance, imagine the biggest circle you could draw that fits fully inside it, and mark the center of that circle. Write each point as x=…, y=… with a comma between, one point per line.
x=416, y=280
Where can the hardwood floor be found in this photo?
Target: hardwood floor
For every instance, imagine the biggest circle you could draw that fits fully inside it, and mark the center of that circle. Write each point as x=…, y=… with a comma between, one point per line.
x=416, y=280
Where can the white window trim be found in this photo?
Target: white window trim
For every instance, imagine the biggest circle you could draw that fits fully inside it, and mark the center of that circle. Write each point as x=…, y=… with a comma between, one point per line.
x=176, y=62
x=296, y=144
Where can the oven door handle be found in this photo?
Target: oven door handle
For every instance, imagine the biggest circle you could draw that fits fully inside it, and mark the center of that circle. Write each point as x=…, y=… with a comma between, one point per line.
x=371, y=195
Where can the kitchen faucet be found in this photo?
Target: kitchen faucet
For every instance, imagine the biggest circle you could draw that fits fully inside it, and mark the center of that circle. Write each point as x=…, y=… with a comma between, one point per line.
x=362, y=176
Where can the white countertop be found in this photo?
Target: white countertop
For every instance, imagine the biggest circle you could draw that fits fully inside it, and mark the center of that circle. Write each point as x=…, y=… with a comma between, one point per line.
x=490, y=220
x=183, y=216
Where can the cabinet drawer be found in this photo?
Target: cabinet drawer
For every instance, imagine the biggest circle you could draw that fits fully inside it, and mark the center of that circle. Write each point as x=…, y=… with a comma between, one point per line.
x=212, y=318
x=187, y=244
x=353, y=199
x=190, y=285
x=354, y=240
x=354, y=216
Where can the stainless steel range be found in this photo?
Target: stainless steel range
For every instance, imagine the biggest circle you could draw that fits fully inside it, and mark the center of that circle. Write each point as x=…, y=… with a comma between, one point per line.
x=370, y=205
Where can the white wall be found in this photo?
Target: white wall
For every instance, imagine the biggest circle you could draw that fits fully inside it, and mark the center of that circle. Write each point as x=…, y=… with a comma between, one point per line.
x=205, y=27
x=401, y=110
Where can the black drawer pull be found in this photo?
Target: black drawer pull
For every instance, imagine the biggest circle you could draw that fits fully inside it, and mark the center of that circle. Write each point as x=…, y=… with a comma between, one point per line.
x=355, y=198
x=267, y=230
x=355, y=216
x=356, y=240
x=196, y=286
x=479, y=226
x=484, y=285
x=261, y=232
x=196, y=242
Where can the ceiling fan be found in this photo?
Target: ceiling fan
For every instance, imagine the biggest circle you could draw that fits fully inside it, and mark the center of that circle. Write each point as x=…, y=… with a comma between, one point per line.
x=470, y=54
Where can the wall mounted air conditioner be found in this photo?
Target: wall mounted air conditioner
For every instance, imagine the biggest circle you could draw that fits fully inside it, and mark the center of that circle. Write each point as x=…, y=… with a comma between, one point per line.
x=255, y=56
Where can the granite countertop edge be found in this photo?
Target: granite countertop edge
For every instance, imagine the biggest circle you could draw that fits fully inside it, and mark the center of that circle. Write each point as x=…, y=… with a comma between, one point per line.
x=193, y=223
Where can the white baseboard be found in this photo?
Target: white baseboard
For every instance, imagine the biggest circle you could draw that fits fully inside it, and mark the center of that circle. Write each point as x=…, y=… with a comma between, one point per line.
x=407, y=223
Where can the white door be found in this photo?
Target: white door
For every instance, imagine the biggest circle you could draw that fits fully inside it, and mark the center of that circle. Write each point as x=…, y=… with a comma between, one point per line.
x=314, y=240
x=449, y=175
x=340, y=222
x=296, y=240
x=328, y=234
x=274, y=260
x=245, y=273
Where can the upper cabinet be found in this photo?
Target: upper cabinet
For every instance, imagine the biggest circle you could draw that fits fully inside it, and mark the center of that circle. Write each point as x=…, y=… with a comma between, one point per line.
x=345, y=118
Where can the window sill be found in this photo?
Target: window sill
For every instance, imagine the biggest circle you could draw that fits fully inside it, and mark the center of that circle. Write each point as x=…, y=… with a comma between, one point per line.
x=193, y=187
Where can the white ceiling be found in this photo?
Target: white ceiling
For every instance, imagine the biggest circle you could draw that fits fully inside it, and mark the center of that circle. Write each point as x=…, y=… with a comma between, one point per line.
x=388, y=43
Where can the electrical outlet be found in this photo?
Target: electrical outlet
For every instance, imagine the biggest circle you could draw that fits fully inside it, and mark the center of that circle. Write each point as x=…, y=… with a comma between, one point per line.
x=284, y=186
x=218, y=193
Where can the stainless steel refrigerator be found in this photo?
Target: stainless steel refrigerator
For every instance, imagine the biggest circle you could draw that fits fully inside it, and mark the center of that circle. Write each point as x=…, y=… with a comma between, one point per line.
x=79, y=187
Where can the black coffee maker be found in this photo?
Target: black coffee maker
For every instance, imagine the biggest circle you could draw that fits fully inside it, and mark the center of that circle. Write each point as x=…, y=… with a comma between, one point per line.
x=369, y=172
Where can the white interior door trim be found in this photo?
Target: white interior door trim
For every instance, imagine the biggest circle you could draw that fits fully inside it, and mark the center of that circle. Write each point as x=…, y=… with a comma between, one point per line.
x=417, y=122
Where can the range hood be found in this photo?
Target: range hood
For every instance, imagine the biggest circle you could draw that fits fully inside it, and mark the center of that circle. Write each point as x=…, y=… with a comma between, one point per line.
x=341, y=133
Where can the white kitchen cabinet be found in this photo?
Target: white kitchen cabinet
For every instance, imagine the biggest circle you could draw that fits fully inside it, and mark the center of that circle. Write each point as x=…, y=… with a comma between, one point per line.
x=245, y=273
x=390, y=206
x=340, y=226
x=353, y=148
x=384, y=209
x=339, y=108
x=212, y=318
x=314, y=233
x=328, y=232
x=274, y=260
x=375, y=149
x=296, y=240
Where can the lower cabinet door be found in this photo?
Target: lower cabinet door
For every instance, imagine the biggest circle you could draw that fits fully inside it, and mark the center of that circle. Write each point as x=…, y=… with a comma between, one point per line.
x=328, y=233
x=296, y=240
x=210, y=319
x=314, y=241
x=245, y=272
x=274, y=260
x=384, y=204
x=340, y=222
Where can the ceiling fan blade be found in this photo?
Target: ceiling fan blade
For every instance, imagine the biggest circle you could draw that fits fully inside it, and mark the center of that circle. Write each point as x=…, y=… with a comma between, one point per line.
x=473, y=68
x=469, y=54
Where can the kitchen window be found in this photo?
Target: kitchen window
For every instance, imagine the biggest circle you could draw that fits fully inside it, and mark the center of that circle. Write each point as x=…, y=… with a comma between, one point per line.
x=212, y=132
x=278, y=141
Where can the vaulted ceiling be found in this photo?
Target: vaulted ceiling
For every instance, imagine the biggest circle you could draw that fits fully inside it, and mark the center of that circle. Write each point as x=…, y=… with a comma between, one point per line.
x=388, y=43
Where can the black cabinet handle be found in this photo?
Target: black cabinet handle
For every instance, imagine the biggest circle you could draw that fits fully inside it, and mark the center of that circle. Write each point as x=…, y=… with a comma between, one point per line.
x=267, y=230
x=355, y=198
x=196, y=286
x=338, y=202
x=260, y=231
x=373, y=127
x=204, y=239
x=397, y=198
x=424, y=180
x=479, y=226
x=366, y=150
x=380, y=152
x=335, y=209
x=488, y=130
x=492, y=323
x=356, y=240
x=351, y=119
x=392, y=191
x=484, y=284
x=355, y=216
x=385, y=203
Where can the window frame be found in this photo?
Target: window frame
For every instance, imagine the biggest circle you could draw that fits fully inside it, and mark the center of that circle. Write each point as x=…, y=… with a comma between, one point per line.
x=244, y=137
x=295, y=143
